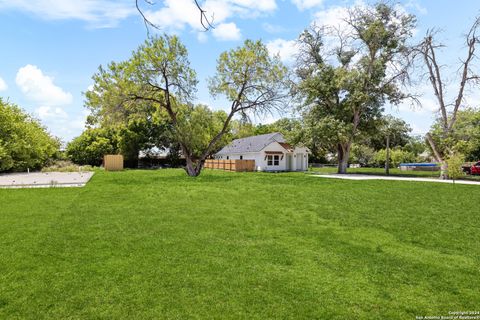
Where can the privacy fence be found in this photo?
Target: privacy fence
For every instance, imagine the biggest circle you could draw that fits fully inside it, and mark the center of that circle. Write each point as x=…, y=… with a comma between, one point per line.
x=113, y=162
x=231, y=165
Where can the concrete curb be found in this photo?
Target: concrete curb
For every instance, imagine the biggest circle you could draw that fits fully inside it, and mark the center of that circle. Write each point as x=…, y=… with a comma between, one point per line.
x=373, y=177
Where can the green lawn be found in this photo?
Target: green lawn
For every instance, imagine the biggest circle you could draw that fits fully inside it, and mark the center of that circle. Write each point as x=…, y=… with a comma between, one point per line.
x=158, y=244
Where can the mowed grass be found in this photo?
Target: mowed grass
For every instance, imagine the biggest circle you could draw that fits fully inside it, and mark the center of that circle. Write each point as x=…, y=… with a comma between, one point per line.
x=161, y=245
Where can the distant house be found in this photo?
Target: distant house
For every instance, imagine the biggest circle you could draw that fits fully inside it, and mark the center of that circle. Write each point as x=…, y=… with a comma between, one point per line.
x=270, y=152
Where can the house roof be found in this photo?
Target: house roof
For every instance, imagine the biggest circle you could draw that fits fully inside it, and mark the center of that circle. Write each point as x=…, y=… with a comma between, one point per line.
x=287, y=146
x=252, y=144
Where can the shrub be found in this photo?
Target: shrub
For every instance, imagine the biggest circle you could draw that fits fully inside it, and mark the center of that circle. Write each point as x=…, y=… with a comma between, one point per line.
x=454, y=166
x=362, y=154
x=24, y=142
x=66, y=166
x=90, y=147
x=397, y=156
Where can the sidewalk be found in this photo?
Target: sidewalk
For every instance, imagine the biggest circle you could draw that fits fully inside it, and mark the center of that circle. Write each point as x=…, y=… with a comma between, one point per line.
x=373, y=177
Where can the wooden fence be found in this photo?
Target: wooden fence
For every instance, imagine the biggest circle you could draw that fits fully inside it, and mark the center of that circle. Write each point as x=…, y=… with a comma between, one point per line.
x=231, y=165
x=113, y=162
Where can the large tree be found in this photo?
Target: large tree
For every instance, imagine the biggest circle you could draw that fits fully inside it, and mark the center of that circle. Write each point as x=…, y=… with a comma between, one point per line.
x=448, y=108
x=464, y=137
x=346, y=76
x=128, y=127
x=159, y=76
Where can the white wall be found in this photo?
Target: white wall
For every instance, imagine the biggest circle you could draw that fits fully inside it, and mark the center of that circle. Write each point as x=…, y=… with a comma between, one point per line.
x=261, y=162
x=300, y=159
x=282, y=164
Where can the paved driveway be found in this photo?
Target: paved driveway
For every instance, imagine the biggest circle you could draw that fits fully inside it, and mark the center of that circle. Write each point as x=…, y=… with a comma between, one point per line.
x=44, y=179
x=373, y=177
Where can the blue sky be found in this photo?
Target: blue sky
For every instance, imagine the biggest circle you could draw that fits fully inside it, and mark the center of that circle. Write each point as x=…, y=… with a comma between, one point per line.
x=51, y=48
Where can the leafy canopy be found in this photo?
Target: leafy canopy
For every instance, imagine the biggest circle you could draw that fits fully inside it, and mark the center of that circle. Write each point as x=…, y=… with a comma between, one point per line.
x=24, y=142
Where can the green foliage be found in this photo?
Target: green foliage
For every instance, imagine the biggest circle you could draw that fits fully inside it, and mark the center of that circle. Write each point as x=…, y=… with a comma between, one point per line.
x=90, y=147
x=197, y=126
x=343, y=100
x=291, y=129
x=454, y=166
x=397, y=129
x=24, y=142
x=397, y=156
x=362, y=154
x=66, y=166
x=416, y=145
x=250, y=78
x=126, y=98
x=137, y=86
x=465, y=136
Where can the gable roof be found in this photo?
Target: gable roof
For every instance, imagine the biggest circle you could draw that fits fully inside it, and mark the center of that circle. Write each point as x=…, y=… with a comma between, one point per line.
x=252, y=144
x=287, y=146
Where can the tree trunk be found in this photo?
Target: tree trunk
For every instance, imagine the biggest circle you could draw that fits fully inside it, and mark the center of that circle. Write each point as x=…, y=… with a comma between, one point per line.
x=343, y=155
x=443, y=170
x=193, y=168
x=438, y=157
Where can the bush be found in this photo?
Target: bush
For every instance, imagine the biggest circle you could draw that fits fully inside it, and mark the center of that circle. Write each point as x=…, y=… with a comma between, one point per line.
x=66, y=166
x=24, y=142
x=90, y=147
x=397, y=156
x=362, y=154
x=454, y=166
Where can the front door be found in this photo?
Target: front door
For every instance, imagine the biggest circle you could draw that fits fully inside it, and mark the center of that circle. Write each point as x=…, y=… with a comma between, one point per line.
x=289, y=162
x=300, y=166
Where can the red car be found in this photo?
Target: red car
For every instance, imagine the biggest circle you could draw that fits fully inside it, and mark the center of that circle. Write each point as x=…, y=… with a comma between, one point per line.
x=473, y=169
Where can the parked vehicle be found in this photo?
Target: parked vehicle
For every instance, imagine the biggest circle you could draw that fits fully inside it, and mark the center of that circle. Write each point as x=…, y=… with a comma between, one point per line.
x=473, y=169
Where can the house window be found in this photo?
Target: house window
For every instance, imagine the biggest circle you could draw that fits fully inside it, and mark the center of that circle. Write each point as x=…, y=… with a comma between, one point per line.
x=273, y=160
x=241, y=157
x=227, y=157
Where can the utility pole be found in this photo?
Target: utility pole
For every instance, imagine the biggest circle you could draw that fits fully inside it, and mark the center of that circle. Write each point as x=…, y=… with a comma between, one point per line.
x=387, y=161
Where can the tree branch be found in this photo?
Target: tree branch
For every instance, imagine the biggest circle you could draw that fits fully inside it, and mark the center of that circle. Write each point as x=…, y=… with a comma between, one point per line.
x=205, y=22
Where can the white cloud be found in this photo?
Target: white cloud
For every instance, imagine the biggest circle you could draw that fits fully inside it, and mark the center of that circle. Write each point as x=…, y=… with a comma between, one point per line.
x=415, y=5
x=176, y=15
x=40, y=88
x=332, y=17
x=273, y=28
x=260, y=5
x=3, y=85
x=286, y=49
x=61, y=125
x=307, y=4
x=227, y=32
x=49, y=99
x=98, y=13
x=51, y=113
x=202, y=37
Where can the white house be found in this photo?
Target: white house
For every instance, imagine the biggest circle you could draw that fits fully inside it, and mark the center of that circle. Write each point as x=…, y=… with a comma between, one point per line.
x=270, y=152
